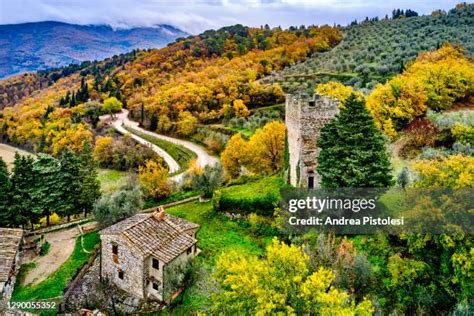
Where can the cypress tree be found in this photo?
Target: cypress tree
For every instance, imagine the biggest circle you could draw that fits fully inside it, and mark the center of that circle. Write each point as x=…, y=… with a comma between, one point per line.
x=72, y=103
x=67, y=99
x=154, y=122
x=90, y=185
x=22, y=181
x=85, y=93
x=353, y=150
x=46, y=189
x=142, y=114
x=70, y=184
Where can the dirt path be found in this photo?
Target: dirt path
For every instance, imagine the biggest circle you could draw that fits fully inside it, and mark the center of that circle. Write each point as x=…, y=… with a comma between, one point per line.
x=62, y=245
x=203, y=157
x=170, y=161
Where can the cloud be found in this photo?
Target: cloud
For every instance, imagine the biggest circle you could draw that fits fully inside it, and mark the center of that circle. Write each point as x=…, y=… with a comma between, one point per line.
x=196, y=16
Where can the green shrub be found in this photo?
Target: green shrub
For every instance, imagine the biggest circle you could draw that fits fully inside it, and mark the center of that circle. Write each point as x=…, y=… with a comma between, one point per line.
x=259, y=197
x=45, y=248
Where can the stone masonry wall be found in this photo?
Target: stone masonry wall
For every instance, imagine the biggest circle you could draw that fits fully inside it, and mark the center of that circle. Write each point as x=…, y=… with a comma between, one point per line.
x=130, y=262
x=305, y=117
x=292, y=122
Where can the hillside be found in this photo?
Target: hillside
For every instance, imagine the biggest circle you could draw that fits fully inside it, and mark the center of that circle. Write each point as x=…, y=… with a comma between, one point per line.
x=203, y=75
x=42, y=45
x=374, y=50
x=194, y=80
x=18, y=87
x=202, y=129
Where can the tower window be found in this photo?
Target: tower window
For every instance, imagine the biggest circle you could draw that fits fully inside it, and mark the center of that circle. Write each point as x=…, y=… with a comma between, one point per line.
x=310, y=180
x=311, y=103
x=155, y=286
x=120, y=274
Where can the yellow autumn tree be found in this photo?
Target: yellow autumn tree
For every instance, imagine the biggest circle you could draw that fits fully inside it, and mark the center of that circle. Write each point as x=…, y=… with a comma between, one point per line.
x=240, y=110
x=447, y=76
x=186, y=124
x=262, y=154
x=73, y=138
x=267, y=147
x=154, y=179
x=336, y=90
x=164, y=123
x=103, y=150
x=234, y=155
x=111, y=105
x=396, y=103
x=434, y=80
x=281, y=282
x=456, y=171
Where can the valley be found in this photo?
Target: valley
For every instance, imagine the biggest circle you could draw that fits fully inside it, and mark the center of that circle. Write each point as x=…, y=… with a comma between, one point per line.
x=57, y=44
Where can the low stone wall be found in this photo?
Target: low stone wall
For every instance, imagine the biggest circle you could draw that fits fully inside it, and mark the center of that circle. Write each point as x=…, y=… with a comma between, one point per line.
x=50, y=229
x=78, y=277
x=154, y=208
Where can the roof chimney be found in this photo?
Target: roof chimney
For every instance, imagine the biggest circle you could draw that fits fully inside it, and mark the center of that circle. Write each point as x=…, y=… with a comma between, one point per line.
x=160, y=213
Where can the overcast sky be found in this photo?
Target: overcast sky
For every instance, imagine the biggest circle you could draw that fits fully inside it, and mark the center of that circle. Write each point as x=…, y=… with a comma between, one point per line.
x=196, y=16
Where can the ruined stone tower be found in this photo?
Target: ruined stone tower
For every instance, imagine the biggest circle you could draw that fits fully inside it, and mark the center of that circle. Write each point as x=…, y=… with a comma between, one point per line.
x=305, y=116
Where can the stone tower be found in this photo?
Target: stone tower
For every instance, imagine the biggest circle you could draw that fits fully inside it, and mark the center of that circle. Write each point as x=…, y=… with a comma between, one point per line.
x=305, y=116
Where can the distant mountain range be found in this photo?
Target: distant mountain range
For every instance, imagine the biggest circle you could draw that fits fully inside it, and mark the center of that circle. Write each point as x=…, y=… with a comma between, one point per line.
x=42, y=45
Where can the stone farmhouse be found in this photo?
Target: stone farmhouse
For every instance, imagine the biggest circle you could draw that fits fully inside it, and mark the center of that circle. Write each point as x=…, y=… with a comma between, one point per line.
x=305, y=117
x=10, y=242
x=146, y=254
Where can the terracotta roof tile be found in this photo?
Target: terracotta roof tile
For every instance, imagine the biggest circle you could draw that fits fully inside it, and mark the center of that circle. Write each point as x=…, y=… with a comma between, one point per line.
x=160, y=235
x=10, y=240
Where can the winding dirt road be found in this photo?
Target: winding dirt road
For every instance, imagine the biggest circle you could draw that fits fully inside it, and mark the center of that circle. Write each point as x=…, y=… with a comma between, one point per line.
x=203, y=158
x=170, y=161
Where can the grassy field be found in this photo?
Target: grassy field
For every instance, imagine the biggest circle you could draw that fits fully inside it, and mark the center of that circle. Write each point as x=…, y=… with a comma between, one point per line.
x=280, y=107
x=246, y=133
x=55, y=284
x=258, y=196
x=258, y=187
x=111, y=180
x=181, y=154
x=8, y=153
x=216, y=235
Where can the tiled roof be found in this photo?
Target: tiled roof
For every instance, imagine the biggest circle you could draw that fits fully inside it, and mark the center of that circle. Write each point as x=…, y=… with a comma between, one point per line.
x=158, y=234
x=10, y=239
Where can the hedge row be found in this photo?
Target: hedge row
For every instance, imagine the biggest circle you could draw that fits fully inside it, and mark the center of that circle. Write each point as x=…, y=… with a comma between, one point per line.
x=260, y=197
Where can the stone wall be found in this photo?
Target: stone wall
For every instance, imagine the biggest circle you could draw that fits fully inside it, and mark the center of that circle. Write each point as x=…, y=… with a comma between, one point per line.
x=129, y=262
x=305, y=117
x=292, y=122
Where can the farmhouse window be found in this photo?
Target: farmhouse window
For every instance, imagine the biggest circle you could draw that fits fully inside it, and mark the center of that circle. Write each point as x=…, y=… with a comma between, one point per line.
x=115, y=253
x=155, y=264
